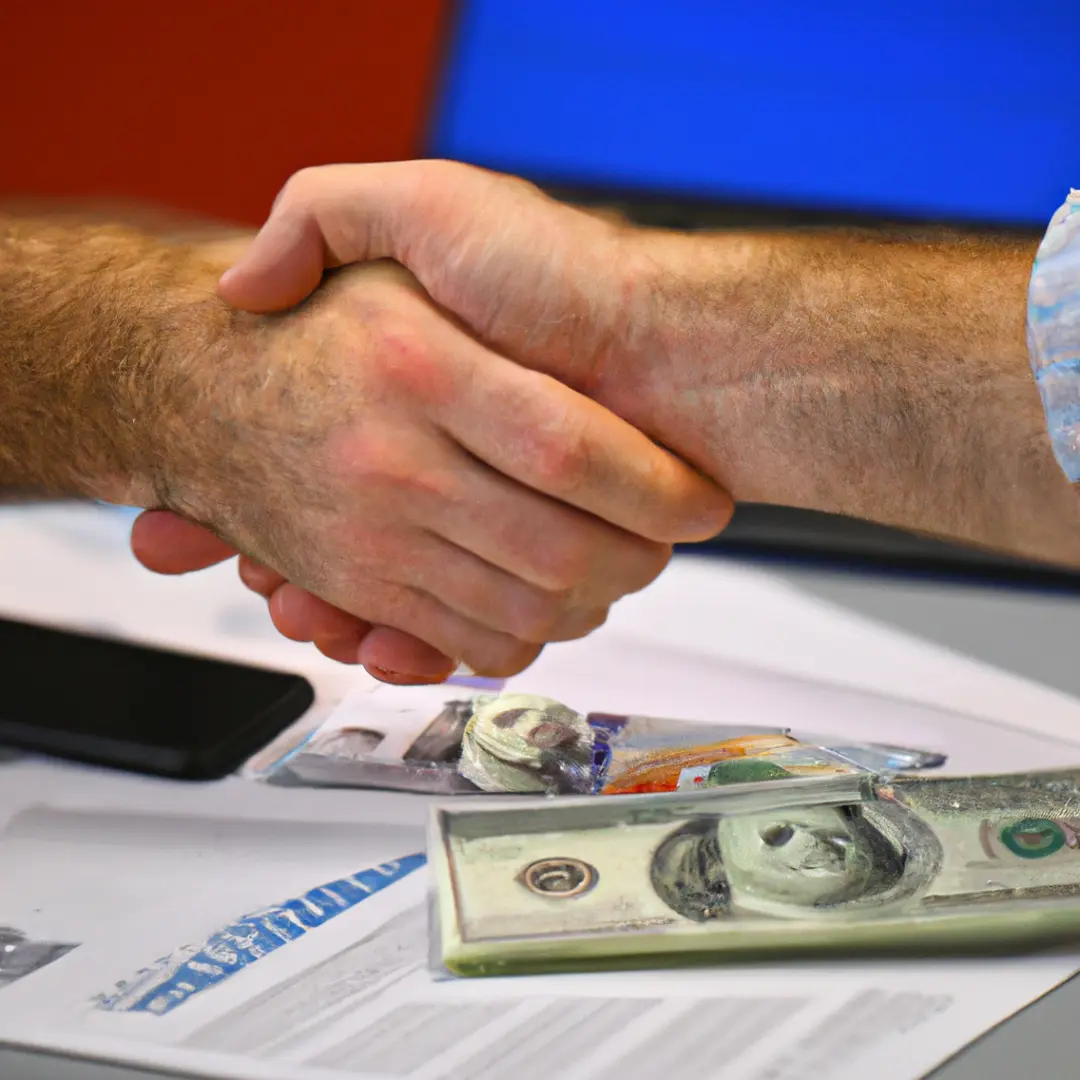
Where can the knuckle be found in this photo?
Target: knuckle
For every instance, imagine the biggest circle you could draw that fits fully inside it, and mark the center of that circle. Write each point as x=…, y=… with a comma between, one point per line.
x=373, y=466
x=384, y=603
x=299, y=188
x=586, y=622
x=565, y=566
x=578, y=623
x=560, y=456
x=408, y=359
x=409, y=365
x=368, y=456
x=426, y=487
x=627, y=566
x=536, y=616
x=402, y=348
x=364, y=550
x=650, y=561
x=499, y=657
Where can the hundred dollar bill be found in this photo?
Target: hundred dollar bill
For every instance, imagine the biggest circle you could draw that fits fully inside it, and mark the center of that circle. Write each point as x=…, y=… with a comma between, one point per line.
x=843, y=864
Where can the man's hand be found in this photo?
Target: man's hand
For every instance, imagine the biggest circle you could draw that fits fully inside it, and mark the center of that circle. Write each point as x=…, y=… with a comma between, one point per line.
x=543, y=283
x=873, y=375
x=539, y=281
x=375, y=454
x=170, y=544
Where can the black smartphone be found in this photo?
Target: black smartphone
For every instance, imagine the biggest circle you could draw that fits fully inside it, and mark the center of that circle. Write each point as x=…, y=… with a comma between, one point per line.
x=149, y=710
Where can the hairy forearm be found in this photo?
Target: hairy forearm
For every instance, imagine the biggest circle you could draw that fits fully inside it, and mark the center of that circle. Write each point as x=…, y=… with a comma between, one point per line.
x=97, y=325
x=882, y=378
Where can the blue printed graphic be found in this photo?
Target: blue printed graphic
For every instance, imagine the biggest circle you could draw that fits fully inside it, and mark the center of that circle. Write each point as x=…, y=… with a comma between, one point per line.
x=174, y=979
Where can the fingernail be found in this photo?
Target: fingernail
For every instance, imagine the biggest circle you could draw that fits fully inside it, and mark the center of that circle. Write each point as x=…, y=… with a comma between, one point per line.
x=285, y=598
x=399, y=678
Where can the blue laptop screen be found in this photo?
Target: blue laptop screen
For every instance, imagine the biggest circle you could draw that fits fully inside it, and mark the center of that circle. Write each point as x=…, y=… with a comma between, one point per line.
x=943, y=109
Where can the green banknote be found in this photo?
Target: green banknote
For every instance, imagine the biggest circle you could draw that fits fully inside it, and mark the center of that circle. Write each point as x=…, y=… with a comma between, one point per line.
x=772, y=869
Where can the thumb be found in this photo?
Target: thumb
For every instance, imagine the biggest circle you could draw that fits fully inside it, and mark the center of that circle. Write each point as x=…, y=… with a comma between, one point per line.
x=283, y=265
x=323, y=217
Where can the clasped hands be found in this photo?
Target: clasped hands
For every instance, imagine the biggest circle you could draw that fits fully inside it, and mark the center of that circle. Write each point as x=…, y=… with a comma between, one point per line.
x=426, y=459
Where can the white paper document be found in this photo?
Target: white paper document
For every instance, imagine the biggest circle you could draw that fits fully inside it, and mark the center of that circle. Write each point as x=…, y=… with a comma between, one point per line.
x=241, y=930
x=250, y=950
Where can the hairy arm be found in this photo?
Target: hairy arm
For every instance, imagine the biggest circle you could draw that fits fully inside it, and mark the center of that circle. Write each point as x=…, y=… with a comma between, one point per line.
x=98, y=327
x=881, y=377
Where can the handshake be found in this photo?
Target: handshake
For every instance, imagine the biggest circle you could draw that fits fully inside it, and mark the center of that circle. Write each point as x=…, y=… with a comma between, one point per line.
x=444, y=418
x=422, y=461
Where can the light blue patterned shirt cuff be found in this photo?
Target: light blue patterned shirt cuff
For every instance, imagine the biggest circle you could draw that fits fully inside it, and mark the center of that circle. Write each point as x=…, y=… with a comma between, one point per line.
x=1053, y=332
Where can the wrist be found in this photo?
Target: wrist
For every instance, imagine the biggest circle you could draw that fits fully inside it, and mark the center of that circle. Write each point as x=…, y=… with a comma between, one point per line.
x=157, y=388
x=698, y=338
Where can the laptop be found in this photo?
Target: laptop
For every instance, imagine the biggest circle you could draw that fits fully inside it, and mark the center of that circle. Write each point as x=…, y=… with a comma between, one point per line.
x=698, y=114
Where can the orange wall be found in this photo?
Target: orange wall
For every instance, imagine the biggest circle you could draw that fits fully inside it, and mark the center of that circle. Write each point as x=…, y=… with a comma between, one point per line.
x=208, y=105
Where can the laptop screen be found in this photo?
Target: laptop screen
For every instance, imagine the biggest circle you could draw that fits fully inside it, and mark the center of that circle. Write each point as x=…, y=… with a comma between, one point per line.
x=928, y=109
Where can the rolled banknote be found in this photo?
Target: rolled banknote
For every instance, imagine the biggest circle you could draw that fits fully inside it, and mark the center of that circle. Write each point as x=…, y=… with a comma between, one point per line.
x=529, y=744
x=446, y=741
x=525, y=743
x=836, y=864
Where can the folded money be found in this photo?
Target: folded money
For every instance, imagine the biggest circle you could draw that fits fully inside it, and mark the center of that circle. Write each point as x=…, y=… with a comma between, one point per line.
x=839, y=864
x=525, y=743
x=446, y=742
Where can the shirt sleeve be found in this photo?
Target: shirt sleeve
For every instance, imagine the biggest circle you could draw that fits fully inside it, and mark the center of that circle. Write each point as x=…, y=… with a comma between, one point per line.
x=1053, y=332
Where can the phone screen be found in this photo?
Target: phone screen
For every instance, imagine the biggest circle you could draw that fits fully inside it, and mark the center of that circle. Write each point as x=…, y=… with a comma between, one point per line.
x=135, y=707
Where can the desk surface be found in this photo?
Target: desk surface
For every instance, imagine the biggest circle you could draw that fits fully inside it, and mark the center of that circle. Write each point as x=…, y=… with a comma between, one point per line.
x=1030, y=634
